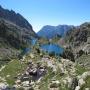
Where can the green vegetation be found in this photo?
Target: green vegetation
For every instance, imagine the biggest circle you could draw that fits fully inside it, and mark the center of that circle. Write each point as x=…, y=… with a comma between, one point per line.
x=3, y=62
x=56, y=39
x=80, y=70
x=49, y=77
x=87, y=84
x=11, y=70
x=46, y=81
x=84, y=58
x=43, y=41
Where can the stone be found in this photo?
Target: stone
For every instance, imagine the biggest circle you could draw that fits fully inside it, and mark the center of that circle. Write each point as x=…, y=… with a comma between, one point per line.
x=27, y=73
x=79, y=77
x=31, y=55
x=62, y=71
x=87, y=88
x=69, y=81
x=65, y=82
x=3, y=86
x=85, y=74
x=18, y=81
x=32, y=83
x=23, y=58
x=16, y=86
x=63, y=60
x=54, y=84
x=53, y=89
x=81, y=82
x=8, y=76
x=25, y=83
x=77, y=88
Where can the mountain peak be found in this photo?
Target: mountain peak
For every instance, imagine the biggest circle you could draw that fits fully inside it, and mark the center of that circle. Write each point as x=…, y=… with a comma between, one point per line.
x=54, y=30
x=14, y=17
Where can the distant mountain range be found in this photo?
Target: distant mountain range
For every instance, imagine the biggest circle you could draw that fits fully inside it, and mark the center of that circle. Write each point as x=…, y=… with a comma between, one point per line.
x=52, y=31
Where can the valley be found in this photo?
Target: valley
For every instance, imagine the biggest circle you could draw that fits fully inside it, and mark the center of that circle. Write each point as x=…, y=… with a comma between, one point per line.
x=57, y=60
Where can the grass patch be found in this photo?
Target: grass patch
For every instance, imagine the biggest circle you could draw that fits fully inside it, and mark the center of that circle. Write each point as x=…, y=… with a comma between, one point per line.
x=80, y=70
x=87, y=85
x=46, y=80
x=12, y=68
x=84, y=59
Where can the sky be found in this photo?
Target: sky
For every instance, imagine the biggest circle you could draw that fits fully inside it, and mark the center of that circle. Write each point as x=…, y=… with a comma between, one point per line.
x=50, y=12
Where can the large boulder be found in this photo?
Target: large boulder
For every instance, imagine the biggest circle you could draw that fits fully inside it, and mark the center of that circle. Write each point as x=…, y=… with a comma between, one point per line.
x=3, y=86
x=85, y=74
x=26, y=83
x=77, y=88
x=81, y=82
x=54, y=84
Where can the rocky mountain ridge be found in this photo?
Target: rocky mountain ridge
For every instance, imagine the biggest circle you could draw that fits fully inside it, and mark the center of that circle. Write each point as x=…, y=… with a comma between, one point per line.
x=79, y=37
x=15, y=18
x=15, y=32
x=52, y=31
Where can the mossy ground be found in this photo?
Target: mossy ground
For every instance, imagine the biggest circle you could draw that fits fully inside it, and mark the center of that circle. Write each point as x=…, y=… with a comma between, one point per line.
x=80, y=70
x=13, y=68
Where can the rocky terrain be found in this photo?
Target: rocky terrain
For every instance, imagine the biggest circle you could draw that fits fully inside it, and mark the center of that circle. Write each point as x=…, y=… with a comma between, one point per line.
x=45, y=73
x=28, y=67
x=15, y=34
x=78, y=41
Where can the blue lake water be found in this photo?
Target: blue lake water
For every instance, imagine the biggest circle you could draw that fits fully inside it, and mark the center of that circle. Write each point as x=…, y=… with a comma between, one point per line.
x=52, y=48
x=27, y=50
x=33, y=41
x=46, y=47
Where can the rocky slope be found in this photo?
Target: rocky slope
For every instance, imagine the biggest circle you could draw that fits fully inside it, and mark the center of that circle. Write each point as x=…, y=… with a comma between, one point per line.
x=79, y=38
x=77, y=42
x=15, y=18
x=38, y=70
x=44, y=73
x=15, y=33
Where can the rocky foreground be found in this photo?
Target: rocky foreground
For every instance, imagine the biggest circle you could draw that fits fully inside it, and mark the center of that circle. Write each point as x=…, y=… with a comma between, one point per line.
x=48, y=73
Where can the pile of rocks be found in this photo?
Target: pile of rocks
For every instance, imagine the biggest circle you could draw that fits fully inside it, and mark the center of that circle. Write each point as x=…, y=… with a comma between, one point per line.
x=67, y=67
x=71, y=80
x=75, y=83
x=32, y=74
x=50, y=63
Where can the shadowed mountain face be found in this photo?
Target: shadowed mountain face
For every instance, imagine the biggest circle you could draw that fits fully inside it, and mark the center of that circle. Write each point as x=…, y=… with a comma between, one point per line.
x=78, y=39
x=52, y=31
x=79, y=35
x=16, y=18
x=15, y=32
